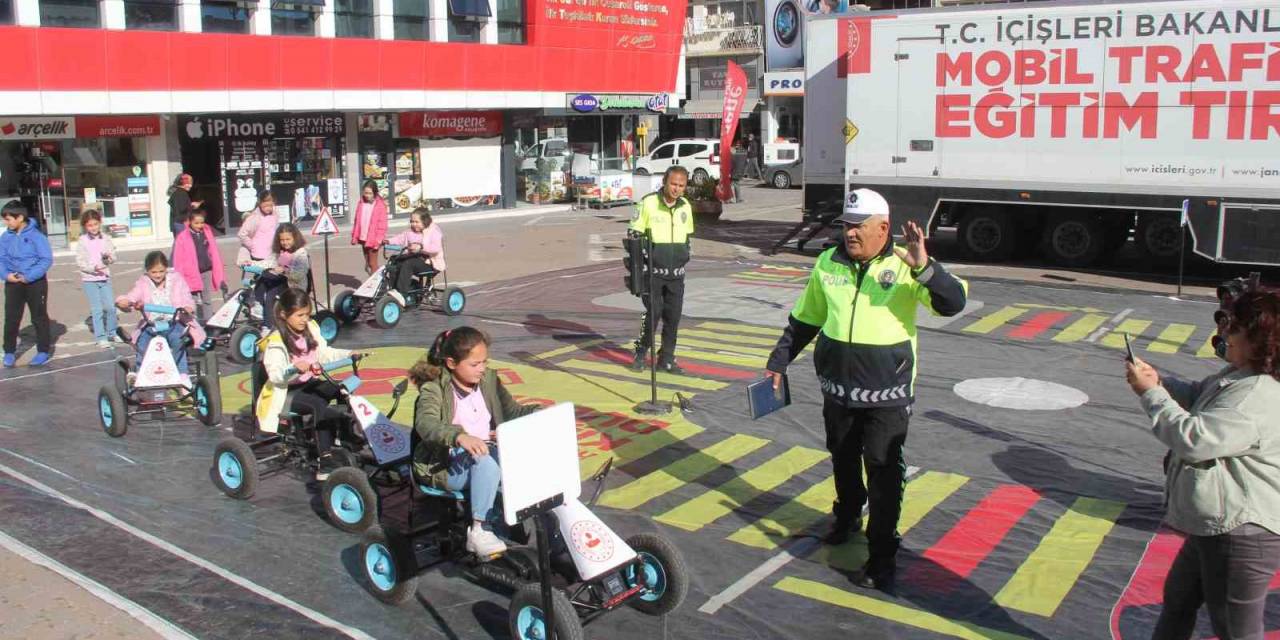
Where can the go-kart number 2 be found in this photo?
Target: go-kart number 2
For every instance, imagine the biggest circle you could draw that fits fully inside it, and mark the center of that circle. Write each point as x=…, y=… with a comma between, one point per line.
x=366, y=413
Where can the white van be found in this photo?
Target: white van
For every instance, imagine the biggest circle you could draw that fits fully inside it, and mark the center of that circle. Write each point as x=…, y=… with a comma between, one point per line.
x=701, y=156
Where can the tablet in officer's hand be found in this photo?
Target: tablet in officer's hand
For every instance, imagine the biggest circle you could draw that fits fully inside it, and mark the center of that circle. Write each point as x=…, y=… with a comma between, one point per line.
x=763, y=399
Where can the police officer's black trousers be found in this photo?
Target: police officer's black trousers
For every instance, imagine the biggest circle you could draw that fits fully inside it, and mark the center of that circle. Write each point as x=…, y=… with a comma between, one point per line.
x=873, y=436
x=668, y=296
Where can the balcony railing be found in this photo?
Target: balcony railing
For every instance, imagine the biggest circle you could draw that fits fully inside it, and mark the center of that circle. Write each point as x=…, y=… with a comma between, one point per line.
x=725, y=42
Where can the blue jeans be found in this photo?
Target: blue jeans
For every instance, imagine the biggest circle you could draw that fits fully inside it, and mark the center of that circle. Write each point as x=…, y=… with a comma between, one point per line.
x=173, y=336
x=102, y=308
x=481, y=478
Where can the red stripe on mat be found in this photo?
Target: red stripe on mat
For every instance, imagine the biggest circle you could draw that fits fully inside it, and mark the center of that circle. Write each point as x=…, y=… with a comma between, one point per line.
x=1038, y=324
x=619, y=356
x=978, y=533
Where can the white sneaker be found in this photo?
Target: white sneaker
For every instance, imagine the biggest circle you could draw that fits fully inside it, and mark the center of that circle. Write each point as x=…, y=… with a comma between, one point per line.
x=104, y=344
x=483, y=543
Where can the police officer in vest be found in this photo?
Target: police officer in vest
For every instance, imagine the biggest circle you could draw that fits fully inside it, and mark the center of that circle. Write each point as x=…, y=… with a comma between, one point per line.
x=860, y=302
x=667, y=218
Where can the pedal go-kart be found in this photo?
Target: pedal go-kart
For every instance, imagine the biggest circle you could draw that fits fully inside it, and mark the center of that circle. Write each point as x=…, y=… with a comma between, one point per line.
x=237, y=325
x=578, y=570
x=238, y=464
x=155, y=389
x=378, y=294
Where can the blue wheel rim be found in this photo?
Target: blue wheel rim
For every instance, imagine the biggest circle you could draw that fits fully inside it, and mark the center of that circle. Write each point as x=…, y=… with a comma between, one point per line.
x=202, y=401
x=531, y=624
x=349, y=306
x=655, y=578
x=230, y=470
x=346, y=504
x=104, y=409
x=456, y=300
x=248, y=345
x=391, y=313
x=329, y=329
x=380, y=567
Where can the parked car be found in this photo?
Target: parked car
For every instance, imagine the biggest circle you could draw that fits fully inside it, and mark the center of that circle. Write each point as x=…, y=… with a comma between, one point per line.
x=701, y=156
x=549, y=148
x=785, y=176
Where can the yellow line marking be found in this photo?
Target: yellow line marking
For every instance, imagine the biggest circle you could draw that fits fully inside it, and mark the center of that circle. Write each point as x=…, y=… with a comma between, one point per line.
x=663, y=378
x=789, y=519
x=742, y=328
x=995, y=320
x=1049, y=573
x=924, y=493
x=1172, y=338
x=719, y=502
x=732, y=339
x=747, y=362
x=570, y=348
x=890, y=611
x=680, y=472
x=1080, y=329
x=1206, y=349
x=720, y=346
x=1134, y=328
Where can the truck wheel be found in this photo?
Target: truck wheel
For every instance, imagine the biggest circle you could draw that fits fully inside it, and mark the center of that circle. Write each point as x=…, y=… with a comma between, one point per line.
x=781, y=180
x=666, y=575
x=1157, y=236
x=1073, y=240
x=988, y=235
x=527, y=619
x=387, y=560
x=642, y=171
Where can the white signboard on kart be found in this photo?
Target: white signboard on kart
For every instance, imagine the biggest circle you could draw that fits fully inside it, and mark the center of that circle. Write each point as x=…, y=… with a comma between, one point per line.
x=226, y=313
x=158, y=368
x=370, y=286
x=539, y=455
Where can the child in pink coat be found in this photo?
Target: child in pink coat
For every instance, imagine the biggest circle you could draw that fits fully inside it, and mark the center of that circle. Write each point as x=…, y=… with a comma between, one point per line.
x=369, y=228
x=160, y=286
x=196, y=259
x=424, y=241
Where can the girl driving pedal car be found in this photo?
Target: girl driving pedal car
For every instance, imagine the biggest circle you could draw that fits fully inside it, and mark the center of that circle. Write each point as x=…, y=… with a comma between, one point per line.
x=287, y=267
x=288, y=354
x=159, y=286
x=460, y=404
x=424, y=245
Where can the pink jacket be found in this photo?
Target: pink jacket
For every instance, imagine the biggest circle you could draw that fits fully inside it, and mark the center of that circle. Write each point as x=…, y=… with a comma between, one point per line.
x=179, y=296
x=377, y=225
x=432, y=243
x=256, y=234
x=187, y=264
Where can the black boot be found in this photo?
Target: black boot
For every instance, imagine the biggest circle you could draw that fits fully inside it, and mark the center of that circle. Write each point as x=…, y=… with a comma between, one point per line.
x=842, y=529
x=637, y=363
x=875, y=575
x=672, y=368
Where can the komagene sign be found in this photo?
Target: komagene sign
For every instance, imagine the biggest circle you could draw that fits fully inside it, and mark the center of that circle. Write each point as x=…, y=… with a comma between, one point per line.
x=450, y=124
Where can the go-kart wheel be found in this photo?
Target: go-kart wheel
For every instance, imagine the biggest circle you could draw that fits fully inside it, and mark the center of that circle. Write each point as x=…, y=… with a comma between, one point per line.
x=113, y=414
x=121, y=375
x=235, y=468
x=386, y=312
x=529, y=623
x=209, y=366
x=666, y=575
x=207, y=401
x=346, y=306
x=454, y=301
x=244, y=344
x=349, y=500
x=329, y=325
x=387, y=559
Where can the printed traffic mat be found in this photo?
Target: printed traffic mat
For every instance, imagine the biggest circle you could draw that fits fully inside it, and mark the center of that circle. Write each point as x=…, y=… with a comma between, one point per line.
x=1032, y=507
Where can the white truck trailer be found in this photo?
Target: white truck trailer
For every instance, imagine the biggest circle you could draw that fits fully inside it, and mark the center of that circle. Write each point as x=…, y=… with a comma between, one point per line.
x=1056, y=128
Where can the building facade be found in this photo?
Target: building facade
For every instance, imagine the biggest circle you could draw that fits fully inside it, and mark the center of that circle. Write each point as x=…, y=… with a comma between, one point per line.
x=439, y=102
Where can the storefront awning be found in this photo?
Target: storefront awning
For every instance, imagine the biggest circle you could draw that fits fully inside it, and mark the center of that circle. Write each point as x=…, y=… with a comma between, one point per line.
x=712, y=109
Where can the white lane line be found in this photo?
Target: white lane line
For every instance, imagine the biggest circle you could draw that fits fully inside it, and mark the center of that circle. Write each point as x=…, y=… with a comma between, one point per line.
x=53, y=371
x=157, y=624
x=8, y=427
x=798, y=549
x=1110, y=324
x=37, y=463
x=123, y=458
x=311, y=614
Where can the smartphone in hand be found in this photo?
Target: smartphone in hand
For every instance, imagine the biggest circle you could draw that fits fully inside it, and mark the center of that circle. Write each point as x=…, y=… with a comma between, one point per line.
x=1128, y=348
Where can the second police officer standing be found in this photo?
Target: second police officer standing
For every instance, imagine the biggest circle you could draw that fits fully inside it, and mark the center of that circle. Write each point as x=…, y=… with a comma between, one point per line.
x=860, y=302
x=667, y=218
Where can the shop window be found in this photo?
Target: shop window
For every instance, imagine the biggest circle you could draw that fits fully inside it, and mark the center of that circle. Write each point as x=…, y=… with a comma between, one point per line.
x=224, y=17
x=150, y=15
x=293, y=18
x=70, y=13
x=6, y=11
x=107, y=170
x=466, y=18
x=510, y=21
x=353, y=18
x=410, y=19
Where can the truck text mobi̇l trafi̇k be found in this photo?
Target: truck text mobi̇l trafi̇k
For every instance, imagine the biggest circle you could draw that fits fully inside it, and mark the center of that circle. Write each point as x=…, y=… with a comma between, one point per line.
x=1056, y=128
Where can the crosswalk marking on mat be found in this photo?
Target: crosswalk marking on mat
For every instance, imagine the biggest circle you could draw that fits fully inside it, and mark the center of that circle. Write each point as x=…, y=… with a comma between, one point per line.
x=1173, y=337
x=1081, y=329
x=994, y=320
x=1088, y=325
x=719, y=502
x=681, y=472
x=1132, y=326
x=798, y=514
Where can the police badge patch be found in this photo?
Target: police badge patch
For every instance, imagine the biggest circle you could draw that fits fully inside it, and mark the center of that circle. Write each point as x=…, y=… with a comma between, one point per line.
x=887, y=278
x=684, y=217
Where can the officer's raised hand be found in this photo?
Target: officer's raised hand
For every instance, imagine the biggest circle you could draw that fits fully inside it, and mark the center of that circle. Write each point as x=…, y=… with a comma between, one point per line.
x=915, y=254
